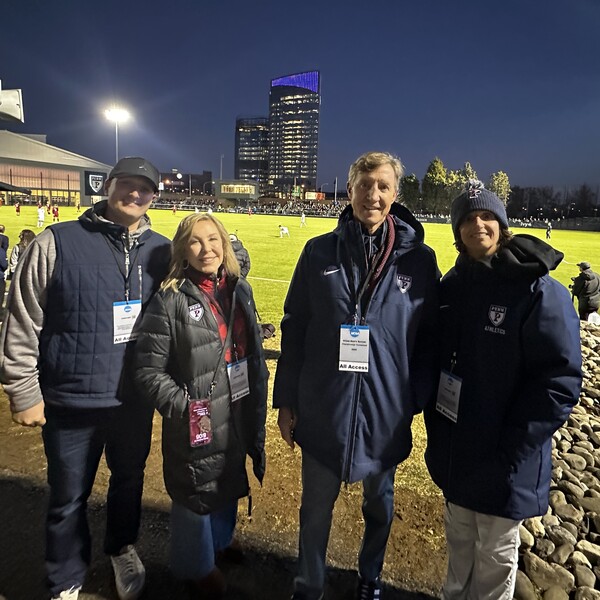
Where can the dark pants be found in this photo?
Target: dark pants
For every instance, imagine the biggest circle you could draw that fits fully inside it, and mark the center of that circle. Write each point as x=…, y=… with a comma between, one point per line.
x=584, y=313
x=320, y=489
x=74, y=441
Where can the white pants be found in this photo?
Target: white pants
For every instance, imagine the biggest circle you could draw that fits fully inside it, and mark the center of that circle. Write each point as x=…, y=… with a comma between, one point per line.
x=483, y=553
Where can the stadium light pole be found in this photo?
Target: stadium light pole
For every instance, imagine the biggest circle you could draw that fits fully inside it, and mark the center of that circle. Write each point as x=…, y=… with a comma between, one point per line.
x=322, y=186
x=117, y=115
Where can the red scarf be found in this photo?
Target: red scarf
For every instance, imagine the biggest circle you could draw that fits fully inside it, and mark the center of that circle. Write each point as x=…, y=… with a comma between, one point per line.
x=218, y=292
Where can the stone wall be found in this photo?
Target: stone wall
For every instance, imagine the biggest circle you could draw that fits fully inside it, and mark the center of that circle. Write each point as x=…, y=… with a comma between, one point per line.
x=560, y=552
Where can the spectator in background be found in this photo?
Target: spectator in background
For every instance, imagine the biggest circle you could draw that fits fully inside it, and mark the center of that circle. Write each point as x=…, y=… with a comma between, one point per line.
x=241, y=254
x=511, y=373
x=586, y=288
x=72, y=374
x=357, y=363
x=25, y=238
x=4, y=242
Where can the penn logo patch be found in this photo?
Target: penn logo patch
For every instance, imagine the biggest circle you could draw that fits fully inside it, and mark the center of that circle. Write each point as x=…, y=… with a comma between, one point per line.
x=497, y=314
x=196, y=311
x=404, y=283
x=96, y=182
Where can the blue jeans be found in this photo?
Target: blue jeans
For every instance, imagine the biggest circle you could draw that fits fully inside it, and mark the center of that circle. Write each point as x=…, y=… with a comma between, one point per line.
x=195, y=539
x=74, y=441
x=320, y=489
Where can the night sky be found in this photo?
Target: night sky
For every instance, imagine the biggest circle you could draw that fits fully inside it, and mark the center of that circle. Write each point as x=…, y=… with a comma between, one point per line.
x=512, y=85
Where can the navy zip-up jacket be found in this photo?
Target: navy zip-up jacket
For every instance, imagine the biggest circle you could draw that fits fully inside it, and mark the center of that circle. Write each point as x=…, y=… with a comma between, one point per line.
x=358, y=424
x=514, y=337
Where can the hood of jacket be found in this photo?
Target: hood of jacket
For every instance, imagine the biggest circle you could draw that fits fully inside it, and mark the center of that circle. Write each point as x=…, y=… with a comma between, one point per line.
x=524, y=257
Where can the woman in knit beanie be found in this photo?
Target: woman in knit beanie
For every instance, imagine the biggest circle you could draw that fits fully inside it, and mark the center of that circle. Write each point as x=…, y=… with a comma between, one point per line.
x=511, y=372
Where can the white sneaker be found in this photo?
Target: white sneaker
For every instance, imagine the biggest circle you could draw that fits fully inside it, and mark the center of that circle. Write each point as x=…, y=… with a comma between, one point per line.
x=71, y=594
x=130, y=574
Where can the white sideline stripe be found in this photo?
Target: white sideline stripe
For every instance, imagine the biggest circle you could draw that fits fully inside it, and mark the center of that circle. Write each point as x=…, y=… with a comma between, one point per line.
x=265, y=279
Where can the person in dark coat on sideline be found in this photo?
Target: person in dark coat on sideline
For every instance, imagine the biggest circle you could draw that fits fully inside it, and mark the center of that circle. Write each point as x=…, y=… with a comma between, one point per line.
x=200, y=363
x=357, y=363
x=510, y=375
x=586, y=288
x=241, y=254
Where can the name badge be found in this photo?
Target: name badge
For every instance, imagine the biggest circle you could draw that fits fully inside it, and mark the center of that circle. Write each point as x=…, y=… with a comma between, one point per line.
x=354, y=348
x=200, y=423
x=125, y=315
x=448, y=395
x=238, y=379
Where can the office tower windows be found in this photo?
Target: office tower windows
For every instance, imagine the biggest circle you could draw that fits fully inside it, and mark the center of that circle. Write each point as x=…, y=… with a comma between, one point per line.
x=252, y=150
x=294, y=103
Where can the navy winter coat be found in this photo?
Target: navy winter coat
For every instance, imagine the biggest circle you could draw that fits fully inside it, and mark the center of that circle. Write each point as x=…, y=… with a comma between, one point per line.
x=514, y=335
x=358, y=424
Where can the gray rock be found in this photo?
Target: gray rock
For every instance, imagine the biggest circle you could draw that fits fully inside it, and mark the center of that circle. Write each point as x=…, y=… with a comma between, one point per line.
x=589, y=459
x=527, y=539
x=544, y=547
x=571, y=528
x=555, y=593
x=559, y=535
x=579, y=558
x=550, y=520
x=590, y=504
x=535, y=527
x=570, y=514
x=562, y=553
x=570, y=488
x=584, y=576
x=545, y=575
x=586, y=593
x=524, y=589
x=592, y=551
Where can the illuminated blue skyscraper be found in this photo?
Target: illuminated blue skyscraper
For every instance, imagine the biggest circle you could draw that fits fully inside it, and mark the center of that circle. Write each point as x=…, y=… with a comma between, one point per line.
x=294, y=104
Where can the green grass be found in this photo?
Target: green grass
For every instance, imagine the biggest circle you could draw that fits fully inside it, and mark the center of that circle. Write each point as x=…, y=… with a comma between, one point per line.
x=273, y=258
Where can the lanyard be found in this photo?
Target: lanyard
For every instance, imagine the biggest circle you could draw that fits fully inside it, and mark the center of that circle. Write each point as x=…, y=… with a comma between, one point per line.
x=126, y=269
x=367, y=280
x=213, y=383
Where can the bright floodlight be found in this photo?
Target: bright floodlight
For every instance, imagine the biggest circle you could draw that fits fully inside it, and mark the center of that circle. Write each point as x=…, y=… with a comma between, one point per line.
x=117, y=115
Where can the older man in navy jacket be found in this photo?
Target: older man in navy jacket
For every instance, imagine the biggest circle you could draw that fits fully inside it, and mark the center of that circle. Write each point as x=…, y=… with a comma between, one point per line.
x=356, y=364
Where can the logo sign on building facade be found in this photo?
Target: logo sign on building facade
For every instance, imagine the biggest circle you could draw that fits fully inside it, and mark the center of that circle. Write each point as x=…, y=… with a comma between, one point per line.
x=94, y=183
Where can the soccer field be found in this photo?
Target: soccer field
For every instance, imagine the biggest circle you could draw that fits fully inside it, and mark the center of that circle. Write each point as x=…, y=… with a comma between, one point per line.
x=273, y=258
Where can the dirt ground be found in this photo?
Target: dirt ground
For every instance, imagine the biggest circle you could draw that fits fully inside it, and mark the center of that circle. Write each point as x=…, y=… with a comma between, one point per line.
x=415, y=559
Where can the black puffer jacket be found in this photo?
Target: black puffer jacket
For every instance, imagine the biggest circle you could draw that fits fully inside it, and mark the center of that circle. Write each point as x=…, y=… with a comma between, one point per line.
x=177, y=355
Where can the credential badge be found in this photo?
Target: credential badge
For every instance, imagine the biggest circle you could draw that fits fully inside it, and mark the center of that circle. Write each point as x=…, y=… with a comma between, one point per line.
x=403, y=282
x=96, y=182
x=497, y=314
x=196, y=311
